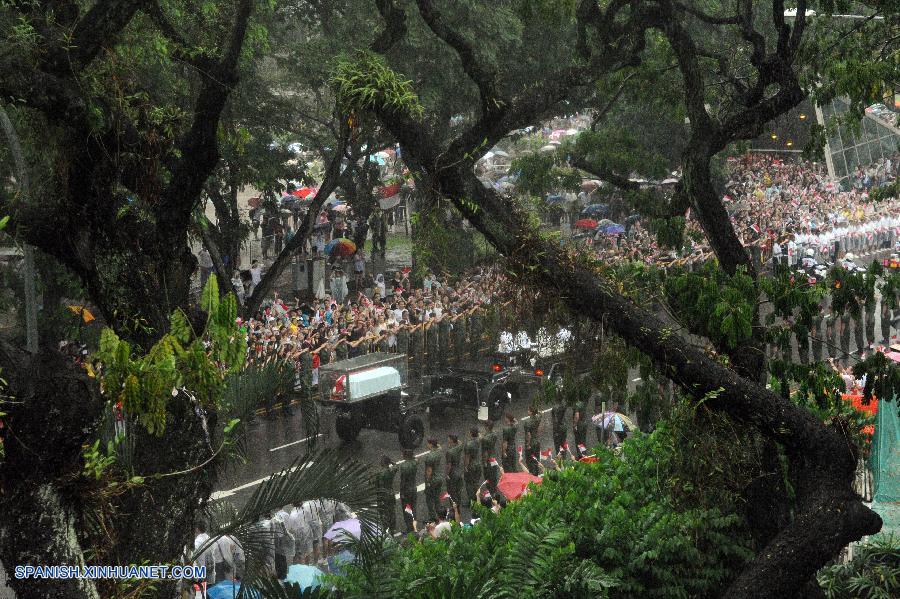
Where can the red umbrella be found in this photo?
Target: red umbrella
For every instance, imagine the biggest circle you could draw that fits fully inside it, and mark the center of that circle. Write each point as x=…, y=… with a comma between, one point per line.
x=304, y=192
x=586, y=223
x=512, y=484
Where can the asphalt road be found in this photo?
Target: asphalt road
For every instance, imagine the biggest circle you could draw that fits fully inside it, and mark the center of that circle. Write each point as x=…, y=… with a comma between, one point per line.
x=277, y=441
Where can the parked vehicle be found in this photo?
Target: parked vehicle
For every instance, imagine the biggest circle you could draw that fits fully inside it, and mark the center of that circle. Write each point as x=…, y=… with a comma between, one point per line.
x=370, y=392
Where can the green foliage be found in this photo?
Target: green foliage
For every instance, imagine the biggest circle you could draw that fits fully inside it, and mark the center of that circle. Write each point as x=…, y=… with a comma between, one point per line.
x=669, y=231
x=539, y=174
x=882, y=376
x=873, y=573
x=850, y=291
x=365, y=82
x=587, y=531
x=715, y=304
x=181, y=359
x=891, y=190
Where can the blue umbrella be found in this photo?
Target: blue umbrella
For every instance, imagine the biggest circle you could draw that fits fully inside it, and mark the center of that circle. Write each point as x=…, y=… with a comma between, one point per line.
x=229, y=589
x=612, y=229
x=305, y=576
x=555, y=199
x=595, y=210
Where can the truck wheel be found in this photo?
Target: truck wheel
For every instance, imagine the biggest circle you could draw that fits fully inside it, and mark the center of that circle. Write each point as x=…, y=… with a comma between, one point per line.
x=412, y=431
x=346, y=426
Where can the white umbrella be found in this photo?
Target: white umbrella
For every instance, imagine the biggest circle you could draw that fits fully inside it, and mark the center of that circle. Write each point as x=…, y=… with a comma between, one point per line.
x=669, y=181
x=501, y=154
x=548, y=148
x=572, y=132
x=555, y=142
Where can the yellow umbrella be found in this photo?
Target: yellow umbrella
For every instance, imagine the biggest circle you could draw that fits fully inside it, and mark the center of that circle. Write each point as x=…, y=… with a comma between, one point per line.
x=85, y=313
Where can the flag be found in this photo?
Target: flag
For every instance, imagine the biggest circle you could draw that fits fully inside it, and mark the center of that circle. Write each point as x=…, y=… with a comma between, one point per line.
x=755, y=228
x=493, y=462
x=445, y=495
x=546, y=453
x=487, y=495
x=519, y=449
x=408, y=509
x=582, y=448
x=565, y=446
x=364, y=300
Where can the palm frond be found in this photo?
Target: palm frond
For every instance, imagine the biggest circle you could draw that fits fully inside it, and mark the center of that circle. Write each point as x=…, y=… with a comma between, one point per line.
x=321, y=475
x=247, y=390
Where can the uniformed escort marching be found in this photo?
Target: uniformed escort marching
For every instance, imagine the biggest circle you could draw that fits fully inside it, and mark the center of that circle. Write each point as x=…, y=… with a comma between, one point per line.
x=454, y=460
x=533, y=440
x=510, y=459
x=473, y=473
x=490, y=461
x=560, y=430
x=386, y=488
x=580, y=428
x=433, y=479
x=408, y=489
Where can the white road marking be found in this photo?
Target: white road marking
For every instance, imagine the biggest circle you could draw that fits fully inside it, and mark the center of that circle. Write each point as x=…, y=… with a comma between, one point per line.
x=295, y=442
x=223, y=494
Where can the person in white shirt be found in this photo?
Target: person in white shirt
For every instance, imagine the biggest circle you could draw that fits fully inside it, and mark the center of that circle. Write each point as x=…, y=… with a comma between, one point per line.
x=209, y=556
x=255, y=275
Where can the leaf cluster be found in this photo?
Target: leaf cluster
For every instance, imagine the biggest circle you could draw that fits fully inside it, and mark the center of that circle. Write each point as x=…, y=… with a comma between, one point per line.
x=181, y=359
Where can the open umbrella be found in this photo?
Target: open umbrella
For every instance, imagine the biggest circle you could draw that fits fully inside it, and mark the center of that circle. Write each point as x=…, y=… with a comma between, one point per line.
x=595, y=210
x=586, y=223
x=555, y=199
x=611, y=228
x=607, y=419
x=342, y=528
x=512, y=484
x=501, y=154
x=304, y=576
x=548, y=148
x=229, y=589
x=341, y=247
x=304, y=192
x=340, y=207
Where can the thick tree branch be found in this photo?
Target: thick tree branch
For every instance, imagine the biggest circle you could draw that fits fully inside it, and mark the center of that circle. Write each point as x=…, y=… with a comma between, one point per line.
x=483, y=77
x=598, y=171
x=198, y=149
x=99, y=27
x=395, y=25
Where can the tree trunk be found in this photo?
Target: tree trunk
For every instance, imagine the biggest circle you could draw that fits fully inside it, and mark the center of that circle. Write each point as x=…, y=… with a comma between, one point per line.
x=829, y=514
x=57, y=409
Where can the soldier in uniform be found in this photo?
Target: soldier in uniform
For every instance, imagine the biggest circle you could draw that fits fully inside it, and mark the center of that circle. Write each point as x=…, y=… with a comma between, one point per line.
x=408, y=470
x=433, y=482
x=454, y=460
x=473, y=474
x=560, y=432
x=580, y=427
x=510, y=460
x=489, y=459
x=533, y=440
x=870, y=322
x=386, y=486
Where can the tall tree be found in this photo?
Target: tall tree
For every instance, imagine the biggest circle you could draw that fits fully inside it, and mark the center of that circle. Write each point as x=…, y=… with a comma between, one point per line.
x=612, y=38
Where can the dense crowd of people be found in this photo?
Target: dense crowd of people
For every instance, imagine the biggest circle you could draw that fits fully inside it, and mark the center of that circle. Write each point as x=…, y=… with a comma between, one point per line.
x=348, y=324
x=783, y=210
